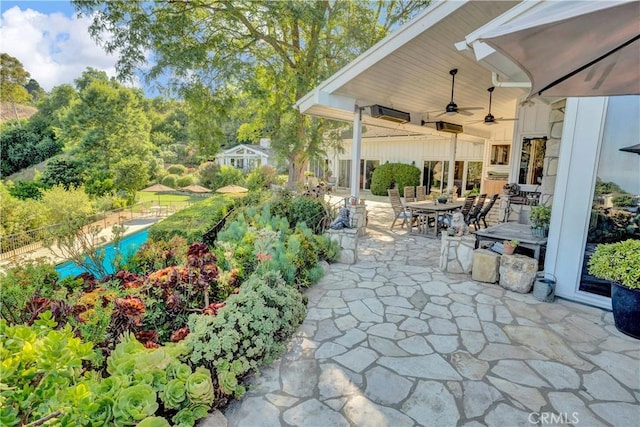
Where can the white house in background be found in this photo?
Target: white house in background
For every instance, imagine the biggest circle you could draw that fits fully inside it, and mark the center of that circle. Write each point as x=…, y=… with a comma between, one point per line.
x=557, y=146
x=248, y=156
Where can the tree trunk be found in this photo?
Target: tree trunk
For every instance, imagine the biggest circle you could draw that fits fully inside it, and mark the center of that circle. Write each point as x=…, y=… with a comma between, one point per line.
x=297, y=166
x=15, y=111
x=298, y=159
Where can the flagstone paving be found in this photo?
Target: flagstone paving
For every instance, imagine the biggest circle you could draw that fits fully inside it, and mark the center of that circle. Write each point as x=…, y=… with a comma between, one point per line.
x=392, y=341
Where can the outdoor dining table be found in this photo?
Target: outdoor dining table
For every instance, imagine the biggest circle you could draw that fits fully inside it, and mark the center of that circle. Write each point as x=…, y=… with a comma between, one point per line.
x=513, y=231
x=430, y=208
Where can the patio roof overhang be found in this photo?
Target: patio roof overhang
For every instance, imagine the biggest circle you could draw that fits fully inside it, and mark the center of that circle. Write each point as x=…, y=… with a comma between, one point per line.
x=409, y=71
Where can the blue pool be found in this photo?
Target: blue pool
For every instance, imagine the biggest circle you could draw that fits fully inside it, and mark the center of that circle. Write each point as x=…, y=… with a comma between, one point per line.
x=128, y=246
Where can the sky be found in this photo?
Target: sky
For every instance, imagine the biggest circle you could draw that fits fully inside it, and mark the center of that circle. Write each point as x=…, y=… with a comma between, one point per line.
x=52, y=44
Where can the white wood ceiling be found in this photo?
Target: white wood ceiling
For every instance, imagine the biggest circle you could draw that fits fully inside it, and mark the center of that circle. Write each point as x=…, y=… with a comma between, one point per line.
x=415, y=77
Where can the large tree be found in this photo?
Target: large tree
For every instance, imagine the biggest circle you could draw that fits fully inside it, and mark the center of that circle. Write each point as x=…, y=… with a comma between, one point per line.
x=13, y=78
x=104, y=127
x=267, y=54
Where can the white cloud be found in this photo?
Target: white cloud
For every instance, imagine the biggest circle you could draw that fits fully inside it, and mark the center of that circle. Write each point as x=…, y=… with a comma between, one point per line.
x=54, y=49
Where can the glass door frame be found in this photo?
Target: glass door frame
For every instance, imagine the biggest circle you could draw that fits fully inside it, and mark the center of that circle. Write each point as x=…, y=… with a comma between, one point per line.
x=579, y=152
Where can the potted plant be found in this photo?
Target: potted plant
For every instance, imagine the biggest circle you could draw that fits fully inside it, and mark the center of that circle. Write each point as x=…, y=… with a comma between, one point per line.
x=510, y=246
x=620, y=263
x=443, y=197
x=540, y=218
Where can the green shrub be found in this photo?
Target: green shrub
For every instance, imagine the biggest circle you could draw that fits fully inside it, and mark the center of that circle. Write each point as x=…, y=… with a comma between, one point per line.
x=249, y=331
x=228, y=175
x=623, y=201
x=309, y=211
x=260, y=178
x=193, y=222
x=21, y=283
x=618, y=262
x=207, y=174
x=386, y=176
x=156, y=255
x=185, y=181
x=258, y=241
x=170, y=181
x=177, y=170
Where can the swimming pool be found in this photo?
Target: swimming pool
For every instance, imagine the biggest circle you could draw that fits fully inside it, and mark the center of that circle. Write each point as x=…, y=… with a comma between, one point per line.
x=128, y=246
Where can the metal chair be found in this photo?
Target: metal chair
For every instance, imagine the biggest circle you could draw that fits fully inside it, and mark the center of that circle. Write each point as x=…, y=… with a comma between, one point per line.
x=483, y=212
x=409, y=194
x=398, y=208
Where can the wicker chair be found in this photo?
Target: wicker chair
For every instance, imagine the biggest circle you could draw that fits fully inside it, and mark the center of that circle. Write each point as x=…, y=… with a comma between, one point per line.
x=421, y=193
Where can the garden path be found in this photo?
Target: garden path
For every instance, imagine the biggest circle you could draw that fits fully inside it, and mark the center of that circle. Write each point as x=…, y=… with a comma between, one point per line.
x=392, y=341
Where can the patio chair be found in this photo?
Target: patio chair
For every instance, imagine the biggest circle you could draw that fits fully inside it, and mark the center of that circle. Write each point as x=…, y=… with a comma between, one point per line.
x=398, y=208
x=409, y=194
x=445, y=219
x=475, y=209
x=421, y=193
x=483, y=213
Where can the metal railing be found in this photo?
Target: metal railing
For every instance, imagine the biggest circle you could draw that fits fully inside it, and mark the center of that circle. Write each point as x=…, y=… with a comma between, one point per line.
x=29, y=241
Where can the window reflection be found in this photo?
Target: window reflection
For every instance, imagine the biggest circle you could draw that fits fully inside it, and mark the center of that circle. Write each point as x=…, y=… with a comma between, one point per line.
x=532, y=160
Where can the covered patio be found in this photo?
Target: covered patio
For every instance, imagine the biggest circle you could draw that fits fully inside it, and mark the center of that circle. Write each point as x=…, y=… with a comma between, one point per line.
x=392, y=341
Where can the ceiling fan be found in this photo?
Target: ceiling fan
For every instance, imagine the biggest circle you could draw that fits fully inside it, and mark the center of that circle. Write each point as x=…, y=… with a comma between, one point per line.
x=452, y=108
x=489, y=119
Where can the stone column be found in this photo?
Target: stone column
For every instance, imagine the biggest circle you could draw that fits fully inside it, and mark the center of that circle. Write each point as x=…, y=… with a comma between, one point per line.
x=550, y=171
x=358, y=218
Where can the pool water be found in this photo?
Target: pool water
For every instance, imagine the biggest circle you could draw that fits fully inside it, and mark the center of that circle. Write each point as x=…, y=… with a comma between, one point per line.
x=128, y=246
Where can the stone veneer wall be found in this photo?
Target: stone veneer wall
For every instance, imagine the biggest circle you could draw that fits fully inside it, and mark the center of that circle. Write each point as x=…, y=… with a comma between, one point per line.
x=550, y=170
x=456, y=253
x=520, y=213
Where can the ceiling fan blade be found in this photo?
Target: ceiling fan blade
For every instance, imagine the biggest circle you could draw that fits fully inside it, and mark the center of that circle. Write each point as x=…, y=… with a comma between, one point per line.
x=502, y=119
x=464, y=112
x=441, y=114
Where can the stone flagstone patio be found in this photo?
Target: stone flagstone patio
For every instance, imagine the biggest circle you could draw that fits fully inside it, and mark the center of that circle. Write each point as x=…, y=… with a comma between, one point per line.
x=392, y=341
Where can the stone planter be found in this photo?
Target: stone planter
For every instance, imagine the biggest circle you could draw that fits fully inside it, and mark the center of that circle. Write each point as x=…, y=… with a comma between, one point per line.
x=456, y=253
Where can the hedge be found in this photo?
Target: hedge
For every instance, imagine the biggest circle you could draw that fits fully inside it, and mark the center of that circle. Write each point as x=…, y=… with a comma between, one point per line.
x=385, y=176
x=192, y=222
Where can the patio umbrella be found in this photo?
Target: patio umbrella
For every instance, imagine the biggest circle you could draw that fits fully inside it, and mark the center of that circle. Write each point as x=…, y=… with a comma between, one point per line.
x=231, y=189
x=194, y=188
x=158, y=188
x=632, y=149
x=575, y=48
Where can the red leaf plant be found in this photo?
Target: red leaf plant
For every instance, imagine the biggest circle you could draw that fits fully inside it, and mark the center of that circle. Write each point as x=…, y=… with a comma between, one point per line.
x=213, y=308
x=180, y=334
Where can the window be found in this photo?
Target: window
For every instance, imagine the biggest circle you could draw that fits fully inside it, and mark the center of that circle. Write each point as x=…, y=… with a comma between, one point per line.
x=344, y=177
x=366, y=172
x=532, y=160
x=500, y=154
x=435, y=175
x=474, y=175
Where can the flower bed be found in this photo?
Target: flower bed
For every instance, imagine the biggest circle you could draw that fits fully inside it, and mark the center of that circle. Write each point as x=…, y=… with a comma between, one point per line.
x=165, y=341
